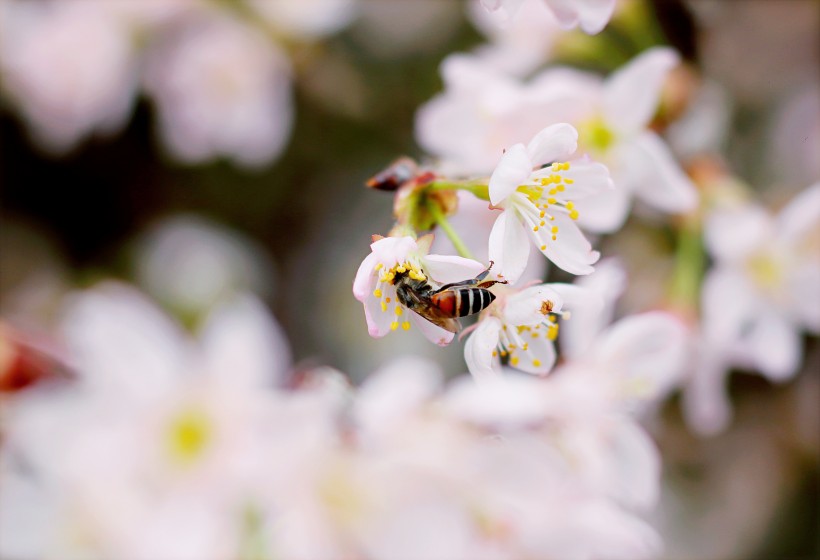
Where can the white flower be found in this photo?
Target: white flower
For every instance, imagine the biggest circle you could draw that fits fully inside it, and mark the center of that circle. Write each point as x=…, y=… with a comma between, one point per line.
x=521, y=44
x=643, y=355
x=520, y=327
x=539, y=203
x=69, y=66
x=157, y=431
x=482, y=111
x=221, y=89
x=756, y=300
x=188, y=263
x=374, y=283
x=612, y=117
x=591, y=15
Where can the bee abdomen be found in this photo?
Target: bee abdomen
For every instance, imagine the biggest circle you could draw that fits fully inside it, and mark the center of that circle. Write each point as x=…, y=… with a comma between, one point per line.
x=463, y=301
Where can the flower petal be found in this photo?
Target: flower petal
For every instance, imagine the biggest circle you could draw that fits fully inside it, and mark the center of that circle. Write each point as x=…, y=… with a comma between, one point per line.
x=800, y=215
x=557, y=142
x=571, y=251
x=513, y=169
x=509, y=248
x=394, y=392
x=772, y=345
x=433, y=333
x=539, y=357
x=365, y=277
x=589, y=178
x=733, y=234
x=728, y=302
x=631, y=95
x=525, y=307
x=706, y=404
x=378, y=320
x=604, y=212
x=478, y=350
x=243, y=345
x=447, y=268
x=503, y=401
x=648, y=349
x=649, y=170
x=120, y=340
x=591, y=315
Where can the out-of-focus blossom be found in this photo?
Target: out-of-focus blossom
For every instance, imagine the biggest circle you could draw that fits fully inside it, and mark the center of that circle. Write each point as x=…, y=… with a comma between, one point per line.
x=539, y=202
x=758, y=298
x=590, y=15
x=645, y=354
x=307, y=19
x=519, y=326
x=157, y=431
x=174, y=447
x=481, y=113
x=69, y=66
x=222, y=89
x=612, y=119
x=188, y=263
x=520, y=45
x=390, y=257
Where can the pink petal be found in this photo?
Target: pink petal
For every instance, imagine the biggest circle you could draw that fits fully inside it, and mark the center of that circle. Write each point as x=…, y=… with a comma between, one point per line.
x=433, y=333
x=365, y=278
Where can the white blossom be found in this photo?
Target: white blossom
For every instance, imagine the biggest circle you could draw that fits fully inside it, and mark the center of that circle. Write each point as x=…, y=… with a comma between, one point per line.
x=539, y=203
x=221, y=89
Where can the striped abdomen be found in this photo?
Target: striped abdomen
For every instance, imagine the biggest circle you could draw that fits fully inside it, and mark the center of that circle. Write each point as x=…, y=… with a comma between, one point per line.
x=460, y=302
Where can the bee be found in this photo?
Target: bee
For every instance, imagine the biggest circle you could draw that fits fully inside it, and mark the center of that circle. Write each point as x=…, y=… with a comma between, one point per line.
x=443, y=305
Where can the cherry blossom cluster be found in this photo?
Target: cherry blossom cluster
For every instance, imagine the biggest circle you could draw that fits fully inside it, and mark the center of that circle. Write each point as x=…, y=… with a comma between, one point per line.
x=549, y=163
x=158, y=444
x=217, y=73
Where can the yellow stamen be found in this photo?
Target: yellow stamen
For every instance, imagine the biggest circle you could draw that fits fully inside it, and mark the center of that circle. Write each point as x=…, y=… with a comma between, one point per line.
x=394, y=325
x=570, y=205
x=574, y=214
x=377, y=293
x=399, y=310
x=536, y=363
x=543, y=247
x=406, y=325
x=554, y=229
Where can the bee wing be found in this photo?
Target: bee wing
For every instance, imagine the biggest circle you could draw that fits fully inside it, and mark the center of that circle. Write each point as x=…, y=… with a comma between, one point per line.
x=438, y=318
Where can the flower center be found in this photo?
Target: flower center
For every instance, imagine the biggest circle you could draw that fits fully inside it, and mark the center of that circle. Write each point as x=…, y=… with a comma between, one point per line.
x=190, y=434
x=546, y=193
x=596, y=135
x=388, y=278
x=766, y=271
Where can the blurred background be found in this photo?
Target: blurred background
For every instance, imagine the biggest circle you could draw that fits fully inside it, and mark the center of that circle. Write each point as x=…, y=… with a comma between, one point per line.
x=111, y=189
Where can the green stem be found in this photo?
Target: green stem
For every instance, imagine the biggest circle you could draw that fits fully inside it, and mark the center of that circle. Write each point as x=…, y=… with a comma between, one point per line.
x=477, y=188
x=442, y=222
x=690, y=262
